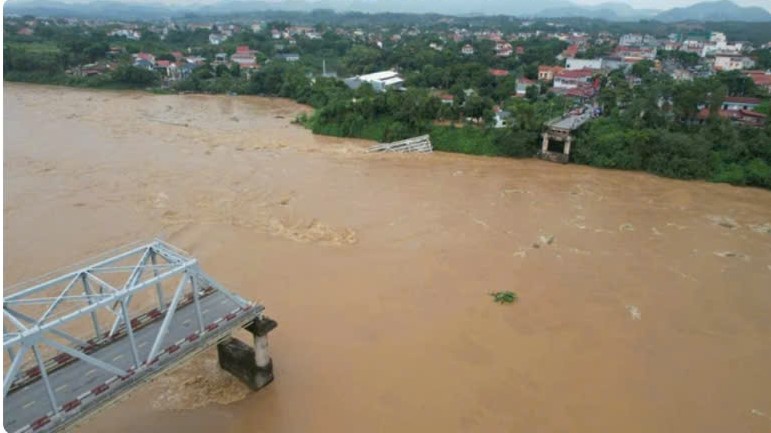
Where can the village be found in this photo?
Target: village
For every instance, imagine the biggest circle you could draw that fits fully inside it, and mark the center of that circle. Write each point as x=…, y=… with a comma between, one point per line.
x=573, y=72
x=391, y=81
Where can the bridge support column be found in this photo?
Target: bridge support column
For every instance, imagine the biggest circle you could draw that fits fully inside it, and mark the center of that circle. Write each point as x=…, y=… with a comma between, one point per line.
x=566, y=149
x=545, y=143
x=252, y=366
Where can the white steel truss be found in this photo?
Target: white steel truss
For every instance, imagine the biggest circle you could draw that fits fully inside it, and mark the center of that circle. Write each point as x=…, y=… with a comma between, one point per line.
x=38, y=317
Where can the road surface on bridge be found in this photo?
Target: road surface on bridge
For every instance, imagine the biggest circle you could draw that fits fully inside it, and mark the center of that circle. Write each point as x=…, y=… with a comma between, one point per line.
x=30, y=402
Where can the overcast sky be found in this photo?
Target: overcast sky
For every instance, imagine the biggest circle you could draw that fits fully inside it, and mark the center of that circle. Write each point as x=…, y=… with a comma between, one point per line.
x=668, y=4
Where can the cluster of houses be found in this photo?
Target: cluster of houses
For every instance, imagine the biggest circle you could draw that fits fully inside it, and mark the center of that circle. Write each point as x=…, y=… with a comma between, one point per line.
x=179, y=69
x=738, y=110
x=576, y=77
x=182, y=66
x=578, y=81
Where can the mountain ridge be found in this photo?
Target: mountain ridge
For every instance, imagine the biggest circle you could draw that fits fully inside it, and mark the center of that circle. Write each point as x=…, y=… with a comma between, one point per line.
x=721, y=10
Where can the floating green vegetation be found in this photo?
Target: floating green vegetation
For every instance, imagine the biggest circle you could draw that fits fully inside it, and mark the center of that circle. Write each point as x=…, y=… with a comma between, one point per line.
x=507, y=297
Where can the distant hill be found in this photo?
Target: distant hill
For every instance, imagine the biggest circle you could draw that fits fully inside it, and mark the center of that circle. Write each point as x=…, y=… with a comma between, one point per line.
x=94, y=9
x=612, y=11
x=723, y=10
x=609, y=11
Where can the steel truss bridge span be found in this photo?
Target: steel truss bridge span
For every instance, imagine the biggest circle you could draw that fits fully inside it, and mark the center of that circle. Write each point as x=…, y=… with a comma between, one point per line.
x=76, y=341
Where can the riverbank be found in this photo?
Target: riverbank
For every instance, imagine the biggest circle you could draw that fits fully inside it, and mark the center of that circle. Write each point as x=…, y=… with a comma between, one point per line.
x=646, y=312
x=717, y=151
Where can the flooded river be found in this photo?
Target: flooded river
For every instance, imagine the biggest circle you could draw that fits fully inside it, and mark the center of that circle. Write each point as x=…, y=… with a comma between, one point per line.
x=645, y=303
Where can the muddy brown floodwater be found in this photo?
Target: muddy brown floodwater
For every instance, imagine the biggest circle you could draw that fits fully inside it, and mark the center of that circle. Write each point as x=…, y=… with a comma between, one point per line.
x=645, y=303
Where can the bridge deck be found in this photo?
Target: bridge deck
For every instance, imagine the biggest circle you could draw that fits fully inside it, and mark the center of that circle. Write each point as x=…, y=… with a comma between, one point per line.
x=570, y=122
x=81, y=388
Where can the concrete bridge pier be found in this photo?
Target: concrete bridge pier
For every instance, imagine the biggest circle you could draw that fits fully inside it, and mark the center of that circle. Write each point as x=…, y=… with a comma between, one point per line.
x=252, y=366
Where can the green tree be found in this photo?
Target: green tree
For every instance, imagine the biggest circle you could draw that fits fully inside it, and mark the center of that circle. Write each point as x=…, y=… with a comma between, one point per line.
x=133, y=76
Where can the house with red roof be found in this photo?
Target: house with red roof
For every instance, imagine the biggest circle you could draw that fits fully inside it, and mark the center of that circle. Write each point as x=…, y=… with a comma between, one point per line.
x=499, y=72
x=569, y=79
x=570, y=52
x=145, y=56
x=162, y=66
x=447, y=98
x=547, y=73
x=245, y=57
x=735, y=103
x=760, y=78
x=503, y=49
x=743, y=117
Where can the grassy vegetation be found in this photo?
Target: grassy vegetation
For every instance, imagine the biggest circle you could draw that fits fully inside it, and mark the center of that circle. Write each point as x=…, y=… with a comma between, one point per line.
x=507, y=297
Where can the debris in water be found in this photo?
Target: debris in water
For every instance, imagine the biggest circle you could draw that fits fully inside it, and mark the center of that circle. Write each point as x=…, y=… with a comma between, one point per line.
x=546, y=239
x=759, y=413
x=731, y=254
x=634, y=312
x=761, y=228
x=626, y=227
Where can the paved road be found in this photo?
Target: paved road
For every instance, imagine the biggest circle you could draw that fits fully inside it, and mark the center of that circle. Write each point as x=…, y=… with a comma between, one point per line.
x=31, y=402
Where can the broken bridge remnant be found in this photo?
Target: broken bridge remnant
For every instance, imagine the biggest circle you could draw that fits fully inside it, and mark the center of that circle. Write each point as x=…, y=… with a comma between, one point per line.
x=80, y=339
x=421, y=144
x=559, y=129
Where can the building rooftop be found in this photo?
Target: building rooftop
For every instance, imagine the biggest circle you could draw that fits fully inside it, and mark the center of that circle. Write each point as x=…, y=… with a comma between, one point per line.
x=741, y=100
x=379, y=76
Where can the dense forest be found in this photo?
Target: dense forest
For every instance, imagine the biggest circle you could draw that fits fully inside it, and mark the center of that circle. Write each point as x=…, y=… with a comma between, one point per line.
x=653, y=126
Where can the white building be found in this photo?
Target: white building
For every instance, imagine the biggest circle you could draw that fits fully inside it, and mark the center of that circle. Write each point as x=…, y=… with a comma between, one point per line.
x=717, y=37
x=467, y=50
x=126, y=33
x=732, y=62
x=719, y=44
x=574, y=64
x=380, y=81
x=503, y=49
x=216, y=39
x=637, y=40
x=572, y=79
x=630, y=40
